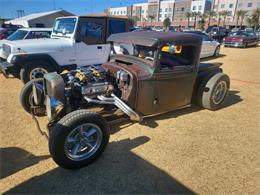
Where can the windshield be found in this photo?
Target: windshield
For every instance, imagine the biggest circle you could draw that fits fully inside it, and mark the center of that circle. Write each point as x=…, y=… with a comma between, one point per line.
x=144, y=53
x=64, y=26
x=238, y=33
x=17, y=35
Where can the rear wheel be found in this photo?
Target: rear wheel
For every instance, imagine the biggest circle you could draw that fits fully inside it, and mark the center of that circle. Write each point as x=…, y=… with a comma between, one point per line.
x=213, y=91
x=78, y=139
x=34, y=70
x=27, y=100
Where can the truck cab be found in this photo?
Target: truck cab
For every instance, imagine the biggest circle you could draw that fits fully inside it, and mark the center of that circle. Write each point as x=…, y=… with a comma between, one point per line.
x=75, y=41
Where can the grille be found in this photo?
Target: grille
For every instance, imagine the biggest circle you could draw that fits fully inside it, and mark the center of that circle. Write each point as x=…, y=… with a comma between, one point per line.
x=6, y=50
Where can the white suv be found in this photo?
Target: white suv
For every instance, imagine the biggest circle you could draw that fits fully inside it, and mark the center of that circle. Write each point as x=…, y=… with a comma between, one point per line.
x=75, y=41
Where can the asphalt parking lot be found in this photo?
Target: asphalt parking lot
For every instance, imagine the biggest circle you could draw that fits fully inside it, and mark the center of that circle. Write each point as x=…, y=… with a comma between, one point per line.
x=191, y=151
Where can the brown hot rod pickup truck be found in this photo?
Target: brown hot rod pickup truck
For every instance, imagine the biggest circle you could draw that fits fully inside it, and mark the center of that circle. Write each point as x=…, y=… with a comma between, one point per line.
x=148, y=73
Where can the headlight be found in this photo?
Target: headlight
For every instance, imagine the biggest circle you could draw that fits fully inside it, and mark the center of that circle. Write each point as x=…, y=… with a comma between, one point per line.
x=53, y=107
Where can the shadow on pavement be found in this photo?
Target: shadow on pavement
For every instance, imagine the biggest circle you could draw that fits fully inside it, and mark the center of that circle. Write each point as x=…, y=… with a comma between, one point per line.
x=15, y=159
x=118, y=171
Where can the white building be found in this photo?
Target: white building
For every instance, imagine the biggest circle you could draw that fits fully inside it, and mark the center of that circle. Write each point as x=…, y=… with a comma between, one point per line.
x=201, y=6
x=166, y=10
x=118, y=11
x=43, y=19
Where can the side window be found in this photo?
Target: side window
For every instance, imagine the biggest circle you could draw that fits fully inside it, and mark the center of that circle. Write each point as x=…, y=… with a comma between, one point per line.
x=205, y=38
x=116, y=26
x=38, y=35
x=92, y=32
x=177, y=61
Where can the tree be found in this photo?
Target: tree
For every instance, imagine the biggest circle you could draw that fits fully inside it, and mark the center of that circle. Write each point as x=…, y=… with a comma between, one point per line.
x=166, y=23
x=240, y=14
x=224, y=14
x=210, y=15
x=202, y=21
x=195, y=15
x=188, y=15
x=254, y=19
x=133, y=20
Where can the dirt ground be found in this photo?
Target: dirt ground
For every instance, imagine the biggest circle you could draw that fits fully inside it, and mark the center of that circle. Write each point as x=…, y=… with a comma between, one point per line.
x=191, y=151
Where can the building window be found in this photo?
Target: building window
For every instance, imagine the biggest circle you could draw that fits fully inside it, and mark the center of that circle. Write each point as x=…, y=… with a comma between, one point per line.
x=121, y=12
x=231, y=5
x=166, y=9
x=222, y=6
x=240, y=5
x=200, y=7
x=249, y=4
x=170, y=9
x=188, y=8
x=124, y=12
x=182, y=9
x=165, y=15
x=134, y=12
x=117, y=12
x=194, y=8
x=160, y=10
x=142, y=11
x=258, y=4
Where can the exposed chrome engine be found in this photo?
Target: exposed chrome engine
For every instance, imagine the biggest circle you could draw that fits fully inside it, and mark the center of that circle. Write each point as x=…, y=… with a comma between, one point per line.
x=76, y=89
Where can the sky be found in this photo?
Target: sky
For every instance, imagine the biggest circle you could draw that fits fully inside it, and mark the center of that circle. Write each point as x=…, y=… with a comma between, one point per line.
x=8, y=8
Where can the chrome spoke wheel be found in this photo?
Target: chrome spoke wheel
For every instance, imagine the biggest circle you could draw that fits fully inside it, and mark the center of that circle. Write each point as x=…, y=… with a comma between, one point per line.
x=219, y=92
x=37, y=73
x=83, y=141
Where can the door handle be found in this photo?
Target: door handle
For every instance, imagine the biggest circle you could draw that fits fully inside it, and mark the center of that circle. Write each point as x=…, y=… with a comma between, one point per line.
x=99, y=47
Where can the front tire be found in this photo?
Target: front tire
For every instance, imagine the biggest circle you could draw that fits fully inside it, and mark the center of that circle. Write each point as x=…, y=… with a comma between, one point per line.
x=78, y=139
x=213, y=91
x=26, y=98
x=34, y=70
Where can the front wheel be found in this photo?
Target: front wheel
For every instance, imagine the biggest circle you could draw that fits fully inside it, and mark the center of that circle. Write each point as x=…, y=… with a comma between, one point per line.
x=27, y=98
x=213, y=91
x=78, y=139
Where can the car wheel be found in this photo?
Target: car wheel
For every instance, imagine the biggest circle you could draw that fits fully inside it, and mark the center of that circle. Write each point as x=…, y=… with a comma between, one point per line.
x=213, y=91
x=34, y=70
x=217, y=51
x=78, y=139
x=27, y=100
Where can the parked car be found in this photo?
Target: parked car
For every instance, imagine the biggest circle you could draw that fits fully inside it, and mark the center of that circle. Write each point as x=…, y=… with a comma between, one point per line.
x=75, y=41
x=26, y=33
x=210, y=47
x=219, y=35
x=6, y=32
x=241, y=39
x=160, y=73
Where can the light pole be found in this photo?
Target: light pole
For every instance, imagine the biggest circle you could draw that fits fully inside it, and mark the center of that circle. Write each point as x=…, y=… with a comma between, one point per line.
x=54, y=4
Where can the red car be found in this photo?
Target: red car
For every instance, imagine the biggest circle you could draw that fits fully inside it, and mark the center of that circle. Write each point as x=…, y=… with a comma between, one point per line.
x=6, y=32
x=241, y=39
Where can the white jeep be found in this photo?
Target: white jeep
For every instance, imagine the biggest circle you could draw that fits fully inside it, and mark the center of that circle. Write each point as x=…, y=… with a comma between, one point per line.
x=75, y=41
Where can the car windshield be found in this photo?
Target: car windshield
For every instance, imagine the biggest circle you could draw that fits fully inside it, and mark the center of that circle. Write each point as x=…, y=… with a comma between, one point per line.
x=238, y=33
x=144, y=53
x=64, y=26
x=17, y=35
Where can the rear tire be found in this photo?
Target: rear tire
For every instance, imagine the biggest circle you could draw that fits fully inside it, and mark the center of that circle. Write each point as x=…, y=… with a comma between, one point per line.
x=68, y=142
x=26, y=97
x=213, y=91
x=34, y=70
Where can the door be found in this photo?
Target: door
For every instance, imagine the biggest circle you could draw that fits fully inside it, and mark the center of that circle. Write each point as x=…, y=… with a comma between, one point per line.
x=174, y=80
x=208, y=46
x=91, y=47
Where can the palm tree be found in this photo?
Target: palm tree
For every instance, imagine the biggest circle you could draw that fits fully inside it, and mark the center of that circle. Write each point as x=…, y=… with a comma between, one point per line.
x=224, y=14
x=210, y=15
x=254, y=19
x=241, y=14
x=202, y=21
x=195, y=15
x=188, y=15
